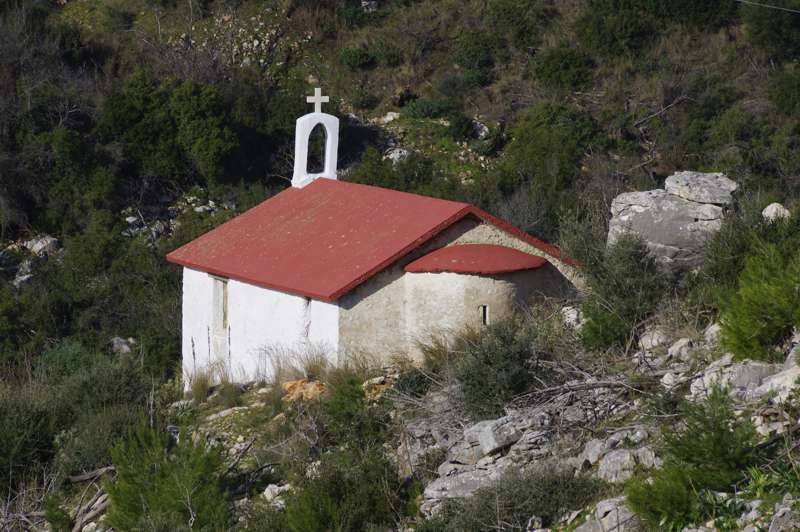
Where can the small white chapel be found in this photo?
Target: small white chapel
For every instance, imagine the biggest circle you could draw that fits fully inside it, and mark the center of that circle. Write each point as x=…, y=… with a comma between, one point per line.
x=344, y=268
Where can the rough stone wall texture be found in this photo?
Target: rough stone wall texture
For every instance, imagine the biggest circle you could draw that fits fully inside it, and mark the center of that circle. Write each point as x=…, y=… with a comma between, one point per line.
x=447, y=301
x=384, y=311
x=483, y=233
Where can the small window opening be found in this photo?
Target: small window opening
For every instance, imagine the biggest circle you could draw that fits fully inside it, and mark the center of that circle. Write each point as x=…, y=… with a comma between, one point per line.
x=484, y=309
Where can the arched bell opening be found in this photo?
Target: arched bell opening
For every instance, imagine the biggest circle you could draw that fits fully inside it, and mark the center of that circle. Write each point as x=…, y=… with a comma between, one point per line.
x=315, y=164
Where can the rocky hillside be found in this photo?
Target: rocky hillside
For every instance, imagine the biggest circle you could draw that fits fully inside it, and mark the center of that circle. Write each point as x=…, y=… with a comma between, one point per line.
x=653, y=141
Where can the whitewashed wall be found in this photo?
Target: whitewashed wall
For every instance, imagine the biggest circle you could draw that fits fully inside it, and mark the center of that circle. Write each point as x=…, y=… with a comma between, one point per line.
x=196, y=321
x=262, y=324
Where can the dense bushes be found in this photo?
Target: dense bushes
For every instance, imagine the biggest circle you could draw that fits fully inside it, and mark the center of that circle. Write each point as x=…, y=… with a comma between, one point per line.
x=350, y=490
x=547, y=491
x=73, y=414
x=356, y=58
x=543, y=157
x=777, y=32
x=497, y=366
x=709, y=451
x=563, y=68
x=522, y=22
x=170, y=128
x=750, y=279
x=765, y=306
x=626, y=286
x=162, y=488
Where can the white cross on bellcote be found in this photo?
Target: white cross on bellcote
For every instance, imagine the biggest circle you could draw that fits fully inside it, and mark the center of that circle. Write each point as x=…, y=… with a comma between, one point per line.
x=318, y=99
x=305, y=125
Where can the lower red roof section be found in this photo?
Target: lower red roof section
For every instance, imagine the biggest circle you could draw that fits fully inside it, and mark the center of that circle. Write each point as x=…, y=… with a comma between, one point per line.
x=324, y=239
x=484, y=259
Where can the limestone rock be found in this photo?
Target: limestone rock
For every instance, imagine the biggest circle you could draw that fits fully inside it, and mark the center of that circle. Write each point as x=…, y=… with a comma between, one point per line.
x=391, y=116
x=617, y=466
x=712, y=334
x=784, y=519
x=652, y=338
x=122, y=346
x=42, y=245
x=741, y=379
x=572, y=317
x=493, y=435
x=593, y=450
x=780, y=385
x=465, y=452
x=680, y=350
x=791, y=358
x=396, y=155
x=462, y=484
x=701, y=187
x=610, y=515
x=775, y=211
x=273, y=492
x=675, y=223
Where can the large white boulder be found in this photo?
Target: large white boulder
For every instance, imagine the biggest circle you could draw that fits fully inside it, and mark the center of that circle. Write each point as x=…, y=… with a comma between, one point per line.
x=676, y=223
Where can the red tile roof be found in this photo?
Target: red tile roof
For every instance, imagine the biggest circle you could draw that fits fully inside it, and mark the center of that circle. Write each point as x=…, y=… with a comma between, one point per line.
x=484, y=259
x=323, y=240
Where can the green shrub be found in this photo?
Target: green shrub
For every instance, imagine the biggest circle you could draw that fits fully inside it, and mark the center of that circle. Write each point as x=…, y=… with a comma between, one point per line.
x=461, y=127
x=499, y=365
x=615, y=27
x=776, y=32
x=177, y=488
x=387, y=54
x=27, y=422
x=713, y=445
x=563, y=68
x=356, y=58
x=765, y=306
x=66, y=358
x=547, y=491
x=708, y=452
x=626, y=286
x=783, y=90
x=429, y=107
x=548, y=142
x=349, y=491
x=666, y=500
x=87, y=444
x=348, y=416
x=522, y=22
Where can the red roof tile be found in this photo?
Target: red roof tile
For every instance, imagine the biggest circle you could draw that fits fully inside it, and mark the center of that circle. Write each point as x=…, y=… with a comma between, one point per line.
x=484, y=259
x=323, y=240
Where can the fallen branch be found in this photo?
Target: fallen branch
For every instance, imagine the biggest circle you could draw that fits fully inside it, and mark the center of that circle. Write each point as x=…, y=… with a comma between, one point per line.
x=91, y=475
x=238, y=458
x=663, y=110
x=90, y=510
x=566, y=388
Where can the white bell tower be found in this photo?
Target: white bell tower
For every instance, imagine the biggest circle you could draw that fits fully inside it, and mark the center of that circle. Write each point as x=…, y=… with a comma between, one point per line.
x=305, y=125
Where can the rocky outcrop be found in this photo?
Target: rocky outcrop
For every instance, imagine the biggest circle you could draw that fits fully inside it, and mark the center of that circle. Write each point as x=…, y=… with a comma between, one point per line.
x=610, y=515
x=741, y=379
x=42, y=245
x=677, y=222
